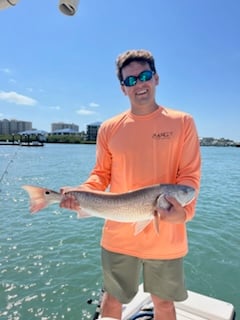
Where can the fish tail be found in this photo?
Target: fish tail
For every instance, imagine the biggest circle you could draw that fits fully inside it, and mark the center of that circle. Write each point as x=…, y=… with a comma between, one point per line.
x=38, y=198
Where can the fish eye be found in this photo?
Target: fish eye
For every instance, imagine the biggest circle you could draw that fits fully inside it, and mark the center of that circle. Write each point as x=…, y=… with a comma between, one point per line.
x=47, y=192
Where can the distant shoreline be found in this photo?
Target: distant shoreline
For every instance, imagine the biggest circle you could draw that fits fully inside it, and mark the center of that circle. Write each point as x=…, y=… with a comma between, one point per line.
x=41, y=144
x=212, y=142
x=13, y=139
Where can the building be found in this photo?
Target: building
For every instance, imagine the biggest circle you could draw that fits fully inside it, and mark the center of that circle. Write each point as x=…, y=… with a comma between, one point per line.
x=65, y=131
x=14, y=126
x=92, y=130
x=58, y=126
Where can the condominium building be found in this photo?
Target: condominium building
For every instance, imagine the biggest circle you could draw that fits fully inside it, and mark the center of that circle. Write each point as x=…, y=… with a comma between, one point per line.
x=61, y=125
x=92, y=131
x=14, y=126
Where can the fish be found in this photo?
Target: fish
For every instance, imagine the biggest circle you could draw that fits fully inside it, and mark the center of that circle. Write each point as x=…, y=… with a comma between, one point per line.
x=138, y=206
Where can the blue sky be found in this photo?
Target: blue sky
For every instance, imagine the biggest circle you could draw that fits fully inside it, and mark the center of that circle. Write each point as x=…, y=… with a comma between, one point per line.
x=58, y=68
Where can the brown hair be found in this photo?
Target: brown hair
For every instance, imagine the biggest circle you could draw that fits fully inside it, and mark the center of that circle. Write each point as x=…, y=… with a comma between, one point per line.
x=141, y=56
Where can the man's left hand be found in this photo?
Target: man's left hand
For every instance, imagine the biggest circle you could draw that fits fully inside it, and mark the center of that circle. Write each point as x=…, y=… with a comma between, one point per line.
x=176, y=213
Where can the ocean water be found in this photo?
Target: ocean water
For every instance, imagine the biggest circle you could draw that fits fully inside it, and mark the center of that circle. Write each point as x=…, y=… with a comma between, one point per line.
x=50, y=262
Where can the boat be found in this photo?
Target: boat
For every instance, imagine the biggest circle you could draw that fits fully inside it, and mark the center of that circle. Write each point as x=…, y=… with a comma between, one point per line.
x=23, y=144
x=32, y=144
x=196, y=307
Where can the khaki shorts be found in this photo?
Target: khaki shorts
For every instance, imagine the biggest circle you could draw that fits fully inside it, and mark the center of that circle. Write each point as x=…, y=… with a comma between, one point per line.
x=163, y=278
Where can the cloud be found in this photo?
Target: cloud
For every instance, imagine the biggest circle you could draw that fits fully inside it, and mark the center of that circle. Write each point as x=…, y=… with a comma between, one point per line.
x=94, y=105
x=85, y=112
x=12, y=81
x=14, y=97
x=5, y=70
x=55, y=107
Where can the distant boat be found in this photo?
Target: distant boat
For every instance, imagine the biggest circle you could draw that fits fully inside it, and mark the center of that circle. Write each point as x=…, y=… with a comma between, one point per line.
x=22, y=144
x=32, y=144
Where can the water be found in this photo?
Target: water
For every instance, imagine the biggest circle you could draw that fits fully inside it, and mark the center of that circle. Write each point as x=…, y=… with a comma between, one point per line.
x=50, y=262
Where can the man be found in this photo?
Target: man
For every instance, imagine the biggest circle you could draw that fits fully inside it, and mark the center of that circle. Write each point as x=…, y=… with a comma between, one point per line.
x=148, y=144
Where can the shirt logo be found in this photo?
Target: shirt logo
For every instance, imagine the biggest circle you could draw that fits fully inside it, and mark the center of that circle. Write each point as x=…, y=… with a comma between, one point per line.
x=162, y=135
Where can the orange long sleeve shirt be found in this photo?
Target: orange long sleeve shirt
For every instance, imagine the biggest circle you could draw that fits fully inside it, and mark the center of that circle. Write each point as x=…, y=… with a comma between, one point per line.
x=135, y=151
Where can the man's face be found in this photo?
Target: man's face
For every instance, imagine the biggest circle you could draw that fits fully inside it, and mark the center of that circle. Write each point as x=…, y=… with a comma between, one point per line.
x=143, y=92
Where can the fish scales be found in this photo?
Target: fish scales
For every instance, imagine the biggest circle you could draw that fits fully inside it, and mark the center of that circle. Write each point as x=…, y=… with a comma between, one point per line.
x=137, y=206
x=131, y=206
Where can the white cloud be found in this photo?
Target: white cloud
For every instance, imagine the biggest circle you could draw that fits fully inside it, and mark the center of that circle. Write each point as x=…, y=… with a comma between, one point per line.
x=85, y=112
x=14, y=97
x=13, y=81
x=55, y=107
x=5, y=70
x=94, y=105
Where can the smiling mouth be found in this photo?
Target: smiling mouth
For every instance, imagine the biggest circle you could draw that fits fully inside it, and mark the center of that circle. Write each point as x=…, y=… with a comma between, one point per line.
x=142, y=92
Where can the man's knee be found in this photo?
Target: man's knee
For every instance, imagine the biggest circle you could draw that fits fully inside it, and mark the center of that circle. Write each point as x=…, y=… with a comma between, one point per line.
x=123, y=296
x=111, y=308
x=109, y=300
x=160, y=304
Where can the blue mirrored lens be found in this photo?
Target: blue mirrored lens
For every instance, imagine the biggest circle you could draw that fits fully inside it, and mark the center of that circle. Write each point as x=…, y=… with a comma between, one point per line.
x=143, y=76
x=130, y=81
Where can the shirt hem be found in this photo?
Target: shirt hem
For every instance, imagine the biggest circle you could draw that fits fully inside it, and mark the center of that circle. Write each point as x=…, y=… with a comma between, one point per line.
x=141, y=255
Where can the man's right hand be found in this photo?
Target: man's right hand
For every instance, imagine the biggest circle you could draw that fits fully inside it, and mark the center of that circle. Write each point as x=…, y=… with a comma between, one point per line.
x=68, y=200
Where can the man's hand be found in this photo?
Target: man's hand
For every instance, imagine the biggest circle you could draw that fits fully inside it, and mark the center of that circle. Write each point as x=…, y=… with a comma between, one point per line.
x=176, y=214
x=68, y=200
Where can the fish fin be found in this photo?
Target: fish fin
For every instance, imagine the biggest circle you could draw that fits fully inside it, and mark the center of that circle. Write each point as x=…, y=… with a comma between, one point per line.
x=162, y=202
x=37, y=195
x=141, y=225
x=82, y=214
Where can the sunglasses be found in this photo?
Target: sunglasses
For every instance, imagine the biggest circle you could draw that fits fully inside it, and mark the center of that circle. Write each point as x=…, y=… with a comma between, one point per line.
x=144, y=76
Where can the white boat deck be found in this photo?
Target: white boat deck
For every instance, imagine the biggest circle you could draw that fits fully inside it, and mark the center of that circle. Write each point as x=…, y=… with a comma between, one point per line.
x=196, y=307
